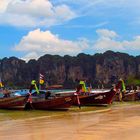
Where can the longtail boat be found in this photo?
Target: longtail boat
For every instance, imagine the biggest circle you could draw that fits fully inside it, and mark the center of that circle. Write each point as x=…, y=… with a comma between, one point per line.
x=102, y=98
x=43, y=102
x=128, y=96
x=86, y=97
x=91, y=98
x=38, y=102
x=55, y=103
x=125, y=95
x=13, y=102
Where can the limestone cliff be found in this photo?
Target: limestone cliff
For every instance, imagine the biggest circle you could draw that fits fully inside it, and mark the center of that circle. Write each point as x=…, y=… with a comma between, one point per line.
x=104, y=68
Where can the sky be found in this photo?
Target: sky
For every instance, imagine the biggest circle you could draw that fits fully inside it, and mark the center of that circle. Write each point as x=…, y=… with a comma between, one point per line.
x=32, y=28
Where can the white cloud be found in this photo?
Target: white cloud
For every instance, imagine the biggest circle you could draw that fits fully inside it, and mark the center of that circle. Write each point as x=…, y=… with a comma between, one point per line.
x=123, y=9
x=3, y=5
x=32, y=13
x=90, y=26
x=37, y=43
x=36, y=13
x=106, y=33
x=29, y=56
x=104, y=44
x=134, y=44
x=108, y=41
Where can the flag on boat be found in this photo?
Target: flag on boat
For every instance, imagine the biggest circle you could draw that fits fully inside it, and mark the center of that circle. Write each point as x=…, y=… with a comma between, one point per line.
x=123, y=86
x=41, y=79
x=1, y=85
x=33, y=85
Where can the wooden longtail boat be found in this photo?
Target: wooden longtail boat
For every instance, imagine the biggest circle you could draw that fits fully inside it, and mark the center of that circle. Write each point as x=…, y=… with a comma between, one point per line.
x=45, y=101
x=86, y=98
x=52, y=103
x=13, y=102
x=37, y=102
x=102, y=98
x=124, y=95
x=128, y=96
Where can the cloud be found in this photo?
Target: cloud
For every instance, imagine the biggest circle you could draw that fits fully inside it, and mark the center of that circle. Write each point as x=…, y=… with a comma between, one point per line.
x=108, y=40
x=85, y=26
x=104, y=44
x=106, y=33
x=106, y=9
x=133, y=45
x=37, y=43
x=29, y=56
x=37, y=13
x=34, y=13
x=3, y=5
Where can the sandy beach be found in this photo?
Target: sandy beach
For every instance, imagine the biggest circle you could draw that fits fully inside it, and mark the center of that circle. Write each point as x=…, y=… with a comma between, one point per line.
x=113, y=123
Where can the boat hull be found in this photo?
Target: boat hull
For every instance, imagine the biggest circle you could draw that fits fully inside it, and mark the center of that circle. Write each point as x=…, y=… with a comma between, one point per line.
x=13, y=102
x=52, y=104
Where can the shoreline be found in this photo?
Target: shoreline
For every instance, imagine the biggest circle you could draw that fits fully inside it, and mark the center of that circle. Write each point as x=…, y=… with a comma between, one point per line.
x=115, y=121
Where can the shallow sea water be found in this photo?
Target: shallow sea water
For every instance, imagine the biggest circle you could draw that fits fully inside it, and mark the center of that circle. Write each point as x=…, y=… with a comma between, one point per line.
x=116, y=122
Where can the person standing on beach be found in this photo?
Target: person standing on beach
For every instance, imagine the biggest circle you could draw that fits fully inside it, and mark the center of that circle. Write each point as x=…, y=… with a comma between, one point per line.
x=29, y=95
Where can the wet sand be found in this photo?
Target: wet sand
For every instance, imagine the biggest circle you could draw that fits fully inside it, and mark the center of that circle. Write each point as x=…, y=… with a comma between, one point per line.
x=113, y=123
